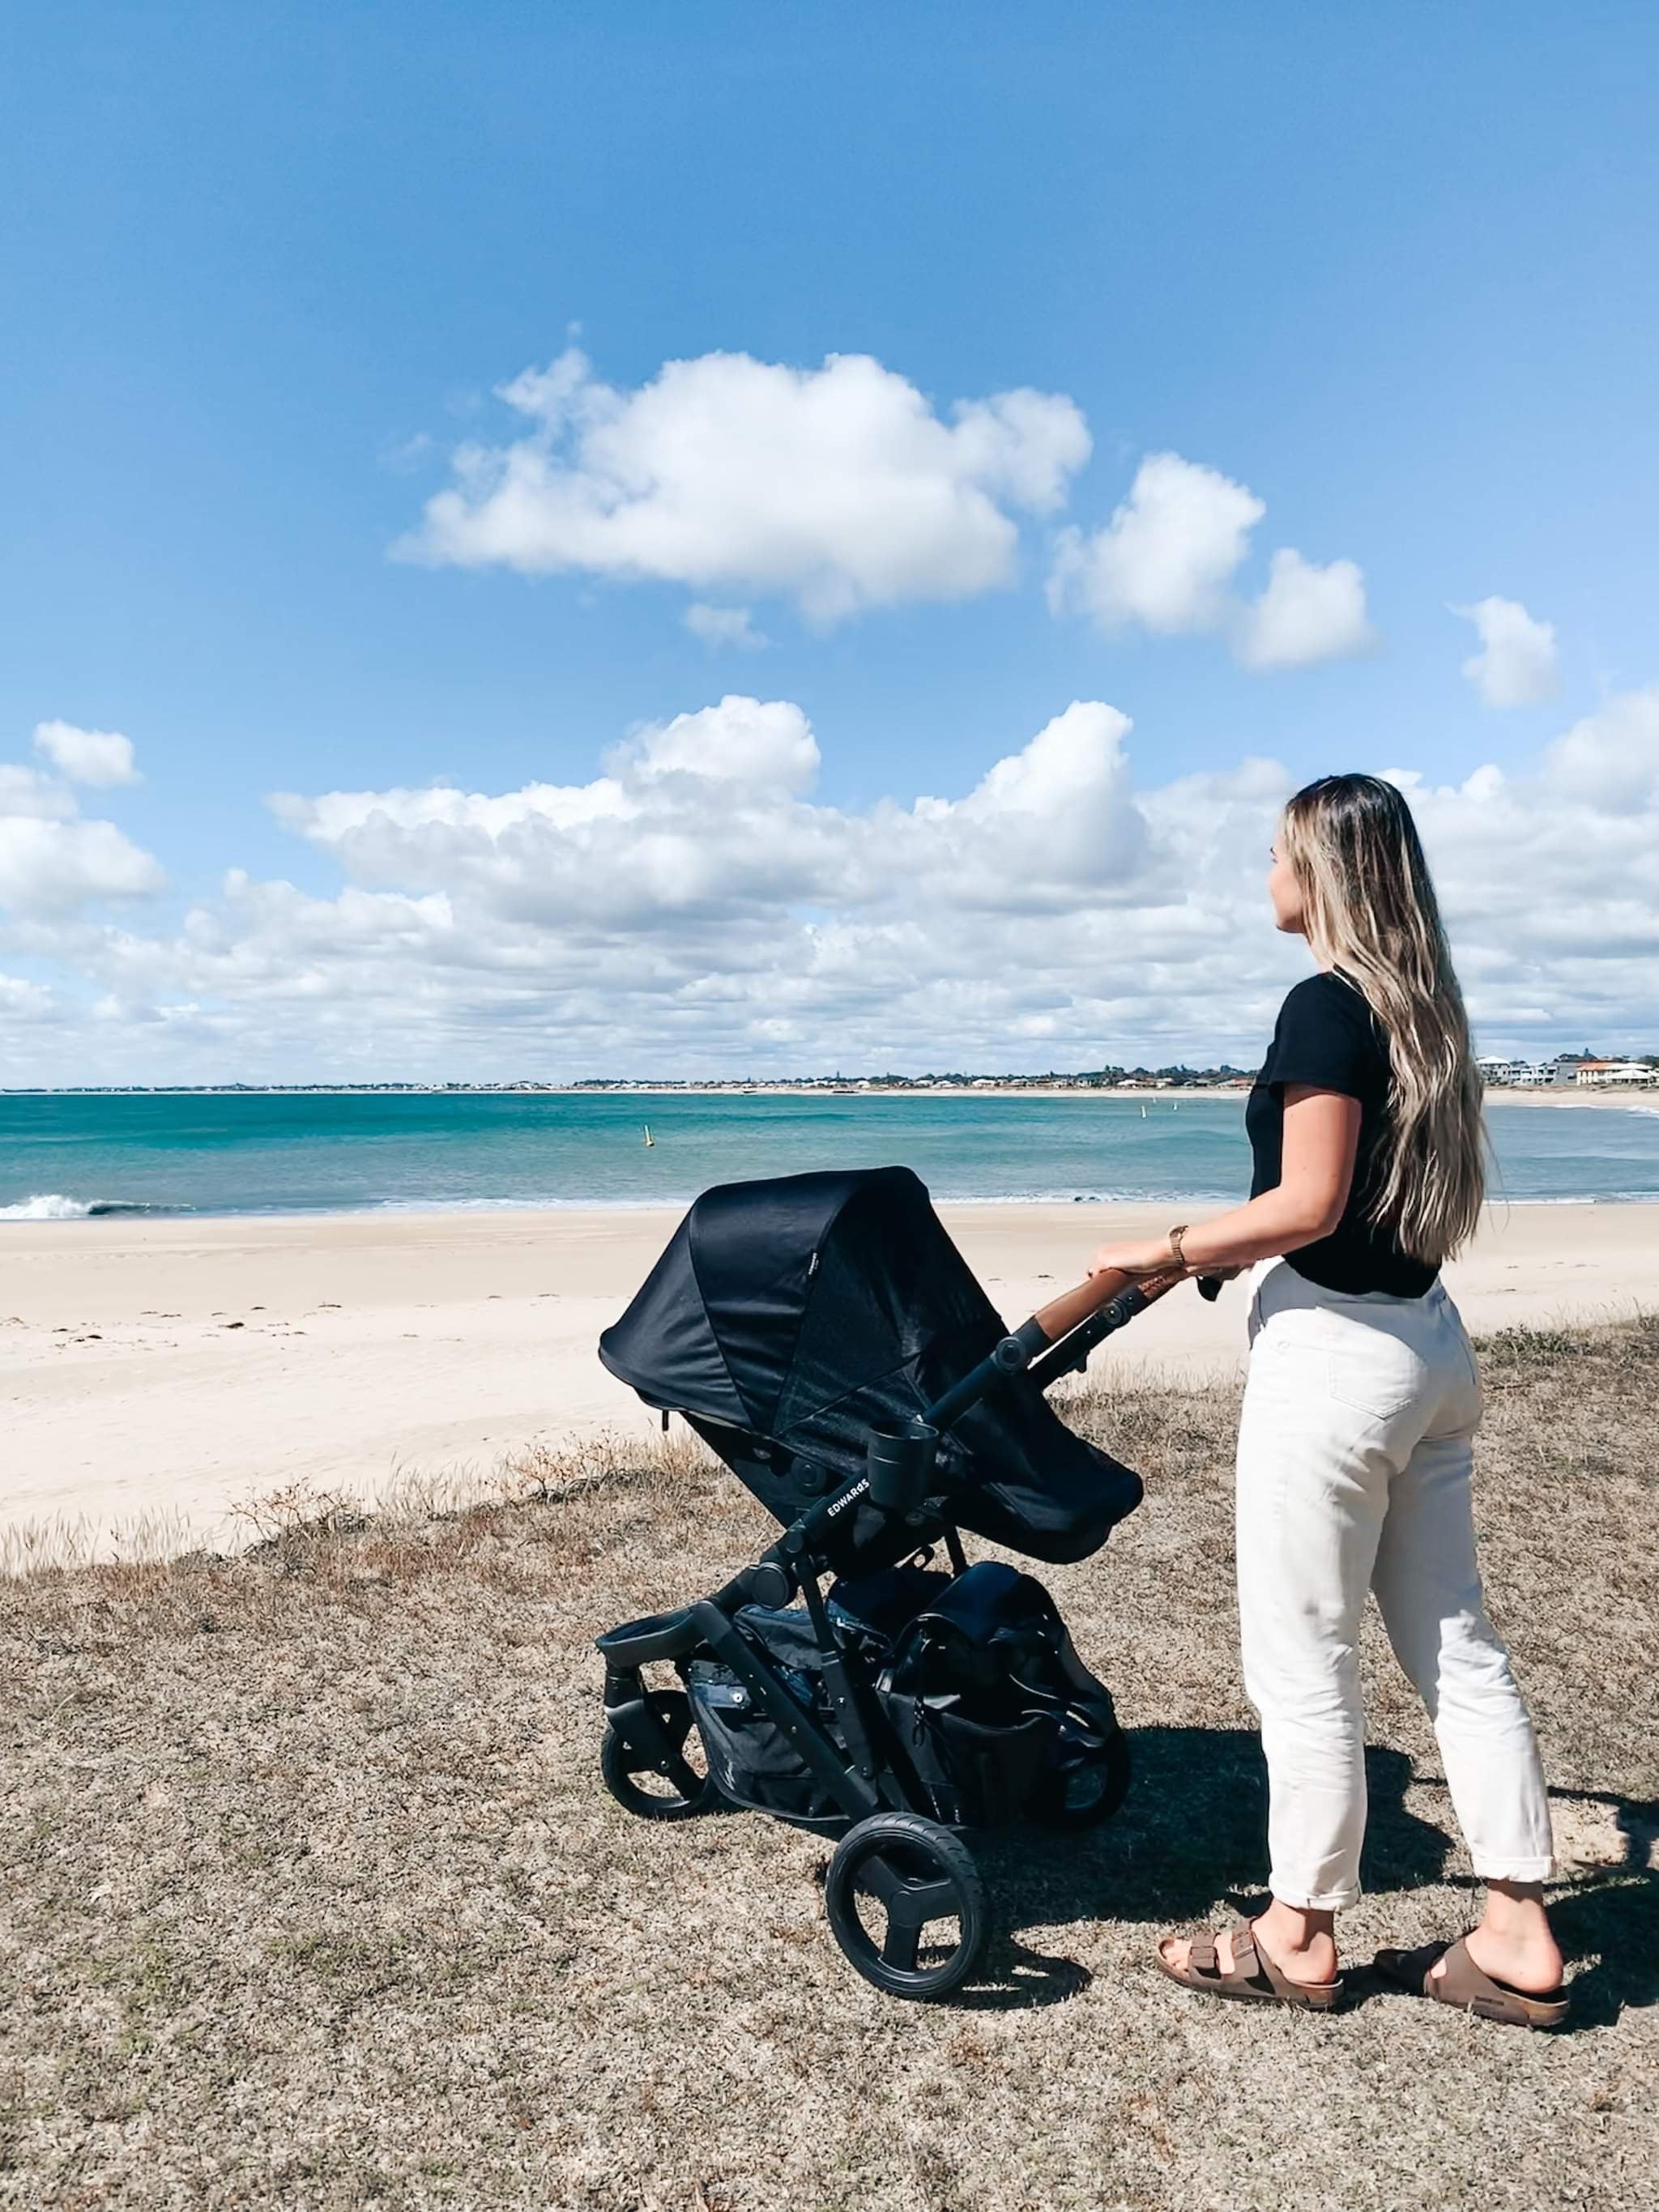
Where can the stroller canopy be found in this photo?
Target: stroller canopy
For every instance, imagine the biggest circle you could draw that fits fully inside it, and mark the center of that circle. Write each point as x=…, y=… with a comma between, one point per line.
x=805, y=1308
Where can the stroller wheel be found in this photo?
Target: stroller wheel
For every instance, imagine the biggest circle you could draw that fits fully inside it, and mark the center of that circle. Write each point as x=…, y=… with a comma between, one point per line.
x=1083, y=1792
x=674, y=1789
x=895, y=1882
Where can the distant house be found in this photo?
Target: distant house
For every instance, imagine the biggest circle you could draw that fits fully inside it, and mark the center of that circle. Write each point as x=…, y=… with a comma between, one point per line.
x=1523, y=1074
x=1600, y=1074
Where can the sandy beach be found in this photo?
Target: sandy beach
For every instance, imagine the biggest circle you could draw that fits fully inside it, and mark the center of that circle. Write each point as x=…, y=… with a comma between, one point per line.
x=165, y=1372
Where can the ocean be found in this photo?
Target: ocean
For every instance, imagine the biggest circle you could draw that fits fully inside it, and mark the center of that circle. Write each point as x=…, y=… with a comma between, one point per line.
x=68, y=1157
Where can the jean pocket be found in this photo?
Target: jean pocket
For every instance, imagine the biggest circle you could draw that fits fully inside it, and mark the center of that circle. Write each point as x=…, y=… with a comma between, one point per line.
x=1466, y=1365
x=1374, y=1374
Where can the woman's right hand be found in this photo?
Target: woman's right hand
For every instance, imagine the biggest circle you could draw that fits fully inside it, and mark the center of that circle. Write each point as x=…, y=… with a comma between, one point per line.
x=1146, y=1255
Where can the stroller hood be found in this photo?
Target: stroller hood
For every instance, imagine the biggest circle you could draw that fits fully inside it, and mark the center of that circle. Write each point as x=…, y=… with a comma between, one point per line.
x=805, y=1308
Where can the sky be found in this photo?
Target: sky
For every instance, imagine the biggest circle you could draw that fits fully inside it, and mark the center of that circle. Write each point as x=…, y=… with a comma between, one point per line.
x=718, y=539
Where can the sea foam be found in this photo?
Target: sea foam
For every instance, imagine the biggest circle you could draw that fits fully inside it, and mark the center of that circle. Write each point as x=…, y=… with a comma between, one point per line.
x=52, y=1206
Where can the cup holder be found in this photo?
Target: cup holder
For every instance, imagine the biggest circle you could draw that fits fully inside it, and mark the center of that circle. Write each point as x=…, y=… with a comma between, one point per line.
x=899, y=1462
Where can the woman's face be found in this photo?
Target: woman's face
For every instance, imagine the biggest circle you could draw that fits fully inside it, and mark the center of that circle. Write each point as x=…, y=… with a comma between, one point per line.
x=1284, y=891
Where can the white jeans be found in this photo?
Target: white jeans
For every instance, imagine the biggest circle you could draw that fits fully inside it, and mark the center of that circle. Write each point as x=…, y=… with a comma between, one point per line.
x=1354, y=1453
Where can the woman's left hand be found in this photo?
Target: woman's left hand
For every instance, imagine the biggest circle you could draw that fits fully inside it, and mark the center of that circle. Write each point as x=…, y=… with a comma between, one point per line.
x=1148, y=1256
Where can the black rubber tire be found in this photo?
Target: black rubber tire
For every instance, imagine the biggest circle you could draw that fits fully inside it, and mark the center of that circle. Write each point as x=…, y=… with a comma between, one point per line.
x=619, y=1763
x=1087, y=1792
x=913, y=1855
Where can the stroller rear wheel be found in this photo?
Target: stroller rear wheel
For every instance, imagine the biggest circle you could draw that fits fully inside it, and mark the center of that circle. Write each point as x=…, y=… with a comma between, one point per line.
x=654, y=1787
x=894, y=1880
x=1083, y=1792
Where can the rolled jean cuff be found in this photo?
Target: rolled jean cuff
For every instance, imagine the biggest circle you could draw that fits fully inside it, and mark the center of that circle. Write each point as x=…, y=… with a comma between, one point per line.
x=1337, y=1900
x=1513, y=1869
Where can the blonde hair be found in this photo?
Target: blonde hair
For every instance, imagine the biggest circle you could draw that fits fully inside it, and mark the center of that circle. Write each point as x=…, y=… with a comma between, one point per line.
x=1369, y=909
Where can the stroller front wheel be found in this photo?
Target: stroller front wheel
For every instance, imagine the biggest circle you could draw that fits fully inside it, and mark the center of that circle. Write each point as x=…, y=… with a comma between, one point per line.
x=895, y=1878
x=655, y=1787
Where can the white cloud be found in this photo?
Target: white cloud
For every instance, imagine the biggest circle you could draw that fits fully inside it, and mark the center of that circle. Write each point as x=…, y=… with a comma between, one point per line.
x=51, y=861
x=98, y=757
x=1168, y=554
x=23, y=1001
x=696, y=905
x=709, y=817
x=1307, y=613
x=718, y=626
x=1167, y=560
x=1610, y=760
x=24, y=791
x=47, y=867
x=838, y=487
x=1517, y=664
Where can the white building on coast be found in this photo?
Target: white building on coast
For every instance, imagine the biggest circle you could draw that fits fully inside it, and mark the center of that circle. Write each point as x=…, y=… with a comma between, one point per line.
x=1583, y=1073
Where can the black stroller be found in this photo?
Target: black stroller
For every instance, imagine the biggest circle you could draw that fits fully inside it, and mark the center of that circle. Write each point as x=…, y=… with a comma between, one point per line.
x=822, y=1334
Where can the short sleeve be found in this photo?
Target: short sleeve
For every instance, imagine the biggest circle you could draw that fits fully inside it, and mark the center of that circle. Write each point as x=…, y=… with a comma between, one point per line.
x=1324, y=1039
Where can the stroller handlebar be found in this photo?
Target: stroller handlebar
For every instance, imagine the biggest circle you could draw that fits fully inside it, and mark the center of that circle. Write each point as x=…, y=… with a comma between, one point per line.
x=1057, y=1339
x=1054, y=1341
x=1064, y=1314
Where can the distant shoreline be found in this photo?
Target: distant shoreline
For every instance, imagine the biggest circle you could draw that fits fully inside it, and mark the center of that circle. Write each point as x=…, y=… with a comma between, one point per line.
x=1177, y=1093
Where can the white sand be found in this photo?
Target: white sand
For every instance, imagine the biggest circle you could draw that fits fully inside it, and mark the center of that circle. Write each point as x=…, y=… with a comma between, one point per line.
x=169, y=1370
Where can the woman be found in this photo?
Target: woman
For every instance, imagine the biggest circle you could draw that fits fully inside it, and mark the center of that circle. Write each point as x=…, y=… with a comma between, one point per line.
x=1355, y=1442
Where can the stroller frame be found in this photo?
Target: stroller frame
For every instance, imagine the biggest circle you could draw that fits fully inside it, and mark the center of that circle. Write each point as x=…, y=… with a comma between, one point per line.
x=895, y=1853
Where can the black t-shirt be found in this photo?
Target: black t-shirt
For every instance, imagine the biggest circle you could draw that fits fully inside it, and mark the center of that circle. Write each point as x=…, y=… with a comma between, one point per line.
x=1327, y=1035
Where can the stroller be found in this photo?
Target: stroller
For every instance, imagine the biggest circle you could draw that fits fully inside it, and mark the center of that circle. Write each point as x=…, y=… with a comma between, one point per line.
x=824, y=1337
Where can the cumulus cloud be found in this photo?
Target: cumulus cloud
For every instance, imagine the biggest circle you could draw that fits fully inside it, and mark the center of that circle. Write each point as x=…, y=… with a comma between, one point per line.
x=1610, y=760
x=1167, y=560
x=26, y=793
x=710, y=818
x=1307, y=613
x=22, y=1000
x=1517, y=664
x=45, y=867
x=51, y=860
x=1168, y=554
x=694, y=905
x=718, y=626
x=840, y=487
x=97, y=756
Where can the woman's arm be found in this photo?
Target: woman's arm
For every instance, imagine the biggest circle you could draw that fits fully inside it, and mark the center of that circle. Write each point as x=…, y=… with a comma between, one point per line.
x=1321, y=1135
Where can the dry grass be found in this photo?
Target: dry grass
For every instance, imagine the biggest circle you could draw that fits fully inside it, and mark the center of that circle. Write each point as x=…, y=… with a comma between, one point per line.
x=312, y=1898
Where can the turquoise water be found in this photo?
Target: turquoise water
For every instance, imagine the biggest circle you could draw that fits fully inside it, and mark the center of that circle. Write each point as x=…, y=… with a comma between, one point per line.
x=65, y=1157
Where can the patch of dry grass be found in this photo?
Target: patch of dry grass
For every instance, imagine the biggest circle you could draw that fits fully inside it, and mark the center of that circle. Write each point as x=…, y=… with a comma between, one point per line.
x=313, y=1897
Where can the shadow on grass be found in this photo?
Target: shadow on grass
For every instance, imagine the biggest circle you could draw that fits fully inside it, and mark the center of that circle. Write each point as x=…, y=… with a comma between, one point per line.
x=1195, y=1822
x=1612, y=1918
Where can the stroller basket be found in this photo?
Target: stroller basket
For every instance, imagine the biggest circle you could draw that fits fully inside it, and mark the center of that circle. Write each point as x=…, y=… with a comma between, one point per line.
x=825, y=1338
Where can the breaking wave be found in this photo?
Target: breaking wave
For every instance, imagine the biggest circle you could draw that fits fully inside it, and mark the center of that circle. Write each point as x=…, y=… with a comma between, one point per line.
x=52, y=1206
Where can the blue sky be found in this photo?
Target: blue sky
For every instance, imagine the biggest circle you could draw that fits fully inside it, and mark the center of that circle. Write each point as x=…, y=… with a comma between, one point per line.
x=1391, y=269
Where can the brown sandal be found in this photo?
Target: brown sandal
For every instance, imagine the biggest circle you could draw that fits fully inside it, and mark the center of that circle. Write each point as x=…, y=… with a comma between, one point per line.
x=1252, y=1976
x=1465, y=1987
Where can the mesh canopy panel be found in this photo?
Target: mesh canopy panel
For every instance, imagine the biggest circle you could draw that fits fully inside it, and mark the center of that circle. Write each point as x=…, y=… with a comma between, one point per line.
x=805, y=1308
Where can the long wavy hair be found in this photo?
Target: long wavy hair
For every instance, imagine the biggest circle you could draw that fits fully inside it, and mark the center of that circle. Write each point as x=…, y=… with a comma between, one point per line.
x=1369, y=909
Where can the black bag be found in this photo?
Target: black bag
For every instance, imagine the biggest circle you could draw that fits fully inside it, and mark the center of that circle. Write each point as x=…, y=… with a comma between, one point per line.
x=750, y=1758
x=976, y=1692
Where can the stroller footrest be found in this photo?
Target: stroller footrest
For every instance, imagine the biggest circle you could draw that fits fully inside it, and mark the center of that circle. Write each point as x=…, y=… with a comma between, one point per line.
x=660, y=1636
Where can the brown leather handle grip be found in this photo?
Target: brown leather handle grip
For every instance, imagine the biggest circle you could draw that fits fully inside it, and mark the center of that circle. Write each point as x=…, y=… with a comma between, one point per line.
x=1062, y=1315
